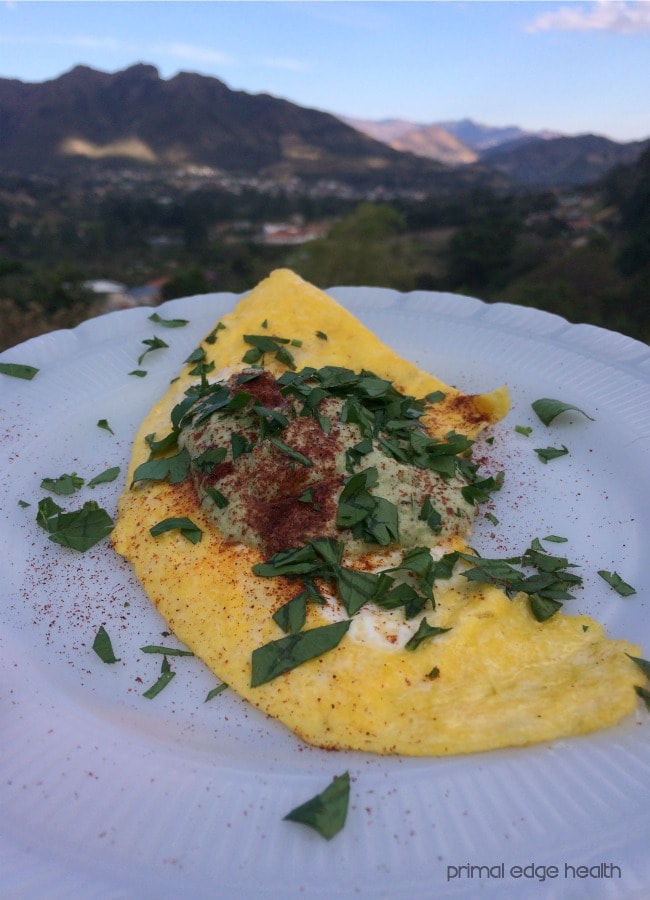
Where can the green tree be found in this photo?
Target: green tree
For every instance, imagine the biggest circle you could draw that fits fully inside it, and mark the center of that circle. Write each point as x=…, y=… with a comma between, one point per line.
x=363, y=248
x=480, y=255
x=186, y=283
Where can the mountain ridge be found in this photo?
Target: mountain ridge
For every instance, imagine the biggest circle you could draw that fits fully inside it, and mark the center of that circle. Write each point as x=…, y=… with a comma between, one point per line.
x=87, y=119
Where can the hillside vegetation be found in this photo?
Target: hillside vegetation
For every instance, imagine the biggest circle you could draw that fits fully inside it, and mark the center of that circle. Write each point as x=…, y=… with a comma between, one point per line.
x=583, y=254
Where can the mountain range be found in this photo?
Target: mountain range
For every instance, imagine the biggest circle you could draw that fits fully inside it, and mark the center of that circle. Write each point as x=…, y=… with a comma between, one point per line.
x=455, y=143
x=86, y=119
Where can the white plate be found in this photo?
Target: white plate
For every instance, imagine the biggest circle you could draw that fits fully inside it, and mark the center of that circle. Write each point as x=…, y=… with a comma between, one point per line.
x=106, y=794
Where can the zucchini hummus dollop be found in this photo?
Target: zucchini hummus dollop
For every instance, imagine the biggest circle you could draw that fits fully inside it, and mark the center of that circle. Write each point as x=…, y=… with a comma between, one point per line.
x=329, y=453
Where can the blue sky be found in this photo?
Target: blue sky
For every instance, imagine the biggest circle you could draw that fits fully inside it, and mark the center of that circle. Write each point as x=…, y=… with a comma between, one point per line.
x=570, y=66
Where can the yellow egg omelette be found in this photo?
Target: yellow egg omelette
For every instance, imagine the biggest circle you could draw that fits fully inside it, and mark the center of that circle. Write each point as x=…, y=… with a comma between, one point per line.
x=298, y=508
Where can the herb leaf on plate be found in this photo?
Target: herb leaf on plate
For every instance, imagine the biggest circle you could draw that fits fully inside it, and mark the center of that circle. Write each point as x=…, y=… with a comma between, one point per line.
x=326, y=812
x=103, y=647
x=548, y=409
x=615, y=581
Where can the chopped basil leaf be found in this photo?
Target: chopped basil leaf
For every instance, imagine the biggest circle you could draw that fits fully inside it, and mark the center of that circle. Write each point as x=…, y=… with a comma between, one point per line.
x=555, y=538
x=170, y=468
x=277, y=657
x=481, y=489
x=491, y=518
x=140, y=373
x=372, y=519
x=168, y=651
x=435, y=397
x=643, y=664
x=24, y=504
x=546, y=588
x=187, y=528
x=103, y=423
x=326, y=812
x=104, y=477
x=355, y=501
x=18, y=370
x=196, y=356
x=643, y=692
x=356, y=588
x=548, y=409
x=291, y=452
x=424, y=631
x=262, y=344
x=219, y=689
x=166, y=675
x=212, y=337
x=543, y=607
x=103, y=647
x=524, y=429
x=434, y=673
x=168, y=323
x=291, y=615
x=219, y=500
x=548, y=453
x=154, y=343
x=239, y=444
x=615, y=581
x=64, y=485
x=430, y=515
x=321, y=335
x=80, y=529
x=210, y=458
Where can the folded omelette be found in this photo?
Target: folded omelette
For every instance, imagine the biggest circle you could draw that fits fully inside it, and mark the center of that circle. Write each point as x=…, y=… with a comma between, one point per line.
x=298, y=508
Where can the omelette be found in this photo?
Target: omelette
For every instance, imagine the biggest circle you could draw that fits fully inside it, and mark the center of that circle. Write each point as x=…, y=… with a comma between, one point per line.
x=298, y=508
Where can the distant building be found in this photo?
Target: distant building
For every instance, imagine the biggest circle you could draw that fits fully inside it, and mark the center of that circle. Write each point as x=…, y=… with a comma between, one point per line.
x=287, y=233
x=113, y=295
x=109, y=294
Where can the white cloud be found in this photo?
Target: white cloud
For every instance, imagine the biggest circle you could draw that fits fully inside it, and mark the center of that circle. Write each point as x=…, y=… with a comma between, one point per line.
x=604, y=15
x=289, y=65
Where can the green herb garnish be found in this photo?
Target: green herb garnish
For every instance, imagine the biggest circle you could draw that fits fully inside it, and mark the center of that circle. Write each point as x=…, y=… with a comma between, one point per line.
x=615, y=581
x=424, y=632
x=18, y=370
x=167, y=651
x=173, y=469
x=277, y=657
x=64, y=485
x=326, y=812
x=642, y=692
x=219, y=689
x=263, y=344
x=187, y=528
x=166, y=675
x=547, y=587
x=103, y=647
x=546, y=454
x=103, y=423
x=548, y=409
x=154, y=343
x=104, y=477
x=212, y=337
x=168, y=323
x=80, y=529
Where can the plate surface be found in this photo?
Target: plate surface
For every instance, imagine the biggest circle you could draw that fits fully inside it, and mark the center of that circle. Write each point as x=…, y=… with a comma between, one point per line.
x=105, y=794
